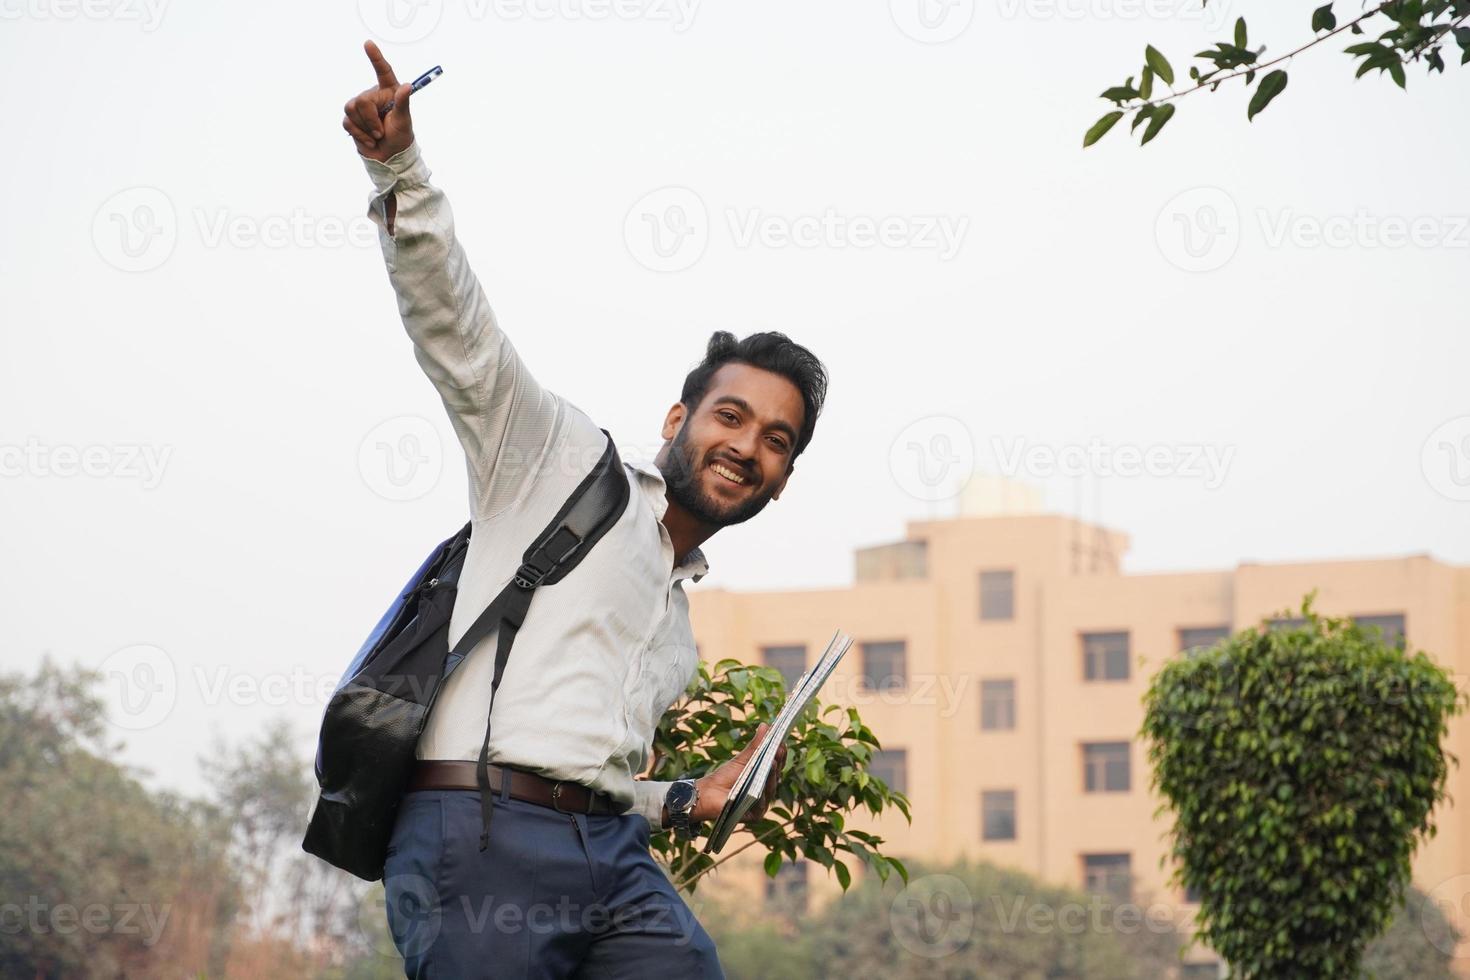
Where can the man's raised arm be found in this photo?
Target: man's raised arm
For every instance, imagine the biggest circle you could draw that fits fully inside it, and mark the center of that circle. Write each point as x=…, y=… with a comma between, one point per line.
x=504, y=419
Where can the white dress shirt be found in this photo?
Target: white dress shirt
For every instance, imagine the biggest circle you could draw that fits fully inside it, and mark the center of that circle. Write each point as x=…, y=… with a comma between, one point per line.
x=603, y=652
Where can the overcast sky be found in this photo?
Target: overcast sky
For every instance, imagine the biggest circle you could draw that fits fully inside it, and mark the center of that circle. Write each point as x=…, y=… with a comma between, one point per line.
x=220, y=458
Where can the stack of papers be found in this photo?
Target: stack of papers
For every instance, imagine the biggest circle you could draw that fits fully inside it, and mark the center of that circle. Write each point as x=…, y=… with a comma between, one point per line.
x=747, y=789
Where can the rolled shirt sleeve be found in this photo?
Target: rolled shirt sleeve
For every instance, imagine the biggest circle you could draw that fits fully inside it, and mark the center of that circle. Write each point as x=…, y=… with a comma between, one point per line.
x=648, y=799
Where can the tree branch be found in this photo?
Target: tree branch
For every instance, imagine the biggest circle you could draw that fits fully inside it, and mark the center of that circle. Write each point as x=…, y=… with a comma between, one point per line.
x=754, y=839
x=1215, y=82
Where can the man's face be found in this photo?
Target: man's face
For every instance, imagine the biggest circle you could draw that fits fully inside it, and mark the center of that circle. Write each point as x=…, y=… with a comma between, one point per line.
x=731, y=454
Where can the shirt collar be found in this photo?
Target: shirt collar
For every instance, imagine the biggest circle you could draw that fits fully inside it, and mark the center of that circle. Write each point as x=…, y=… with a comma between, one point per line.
x=695, y=566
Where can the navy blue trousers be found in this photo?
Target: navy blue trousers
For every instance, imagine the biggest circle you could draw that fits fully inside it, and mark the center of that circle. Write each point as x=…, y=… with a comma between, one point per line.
x=554, y=895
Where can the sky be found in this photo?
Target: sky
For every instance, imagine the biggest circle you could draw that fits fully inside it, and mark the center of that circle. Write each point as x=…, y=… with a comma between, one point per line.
x=219, y=459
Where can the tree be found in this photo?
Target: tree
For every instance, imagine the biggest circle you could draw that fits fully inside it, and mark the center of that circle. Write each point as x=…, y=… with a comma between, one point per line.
x=1414, y=31
x=826, y=775
x=101, y=877
x=1302, y=766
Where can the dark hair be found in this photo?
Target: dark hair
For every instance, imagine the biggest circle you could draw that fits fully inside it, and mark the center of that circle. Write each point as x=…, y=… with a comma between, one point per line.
x=770, y=351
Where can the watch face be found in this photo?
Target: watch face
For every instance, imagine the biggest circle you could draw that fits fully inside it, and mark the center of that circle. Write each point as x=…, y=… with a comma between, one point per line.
x=680, y=795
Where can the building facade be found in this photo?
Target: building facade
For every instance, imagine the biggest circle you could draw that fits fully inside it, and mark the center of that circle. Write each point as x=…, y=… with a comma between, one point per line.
x=1002, y=661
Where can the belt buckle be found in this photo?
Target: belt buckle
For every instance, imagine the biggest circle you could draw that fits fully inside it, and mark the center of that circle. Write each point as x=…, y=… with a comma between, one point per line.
x=556, y=799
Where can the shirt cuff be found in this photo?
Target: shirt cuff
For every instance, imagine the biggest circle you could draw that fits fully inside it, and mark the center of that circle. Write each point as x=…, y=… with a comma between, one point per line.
x=648, y=799
x=405, y=166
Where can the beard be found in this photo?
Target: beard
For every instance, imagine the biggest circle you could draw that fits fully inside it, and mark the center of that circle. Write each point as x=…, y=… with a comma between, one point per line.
x=682, y=477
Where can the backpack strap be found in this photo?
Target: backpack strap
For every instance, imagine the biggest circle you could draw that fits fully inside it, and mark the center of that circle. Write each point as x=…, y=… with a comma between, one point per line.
x=589, y=513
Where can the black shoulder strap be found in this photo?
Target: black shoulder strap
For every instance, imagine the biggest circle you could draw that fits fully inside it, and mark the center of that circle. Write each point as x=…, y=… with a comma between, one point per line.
x=591, y=510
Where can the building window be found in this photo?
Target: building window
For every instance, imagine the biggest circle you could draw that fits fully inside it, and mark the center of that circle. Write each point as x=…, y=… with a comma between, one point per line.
x=1192, y=895
x=1105, y=767
x=789, y=660
x=1391, y=625
x=884, y=666
x=1105, y=656
x=1108, y=874
x=787, y=891
x=891, y=766
x=1200, y=971
x=1196, y=638
x=997, y=706
x=998, y=595
x=998, y=814
x=1286, y=623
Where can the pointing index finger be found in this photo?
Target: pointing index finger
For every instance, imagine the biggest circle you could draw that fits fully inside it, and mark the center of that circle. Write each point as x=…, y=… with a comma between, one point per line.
x=386, y=78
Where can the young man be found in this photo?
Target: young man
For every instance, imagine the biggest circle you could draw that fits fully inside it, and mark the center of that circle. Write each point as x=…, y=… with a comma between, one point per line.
x=562, y=884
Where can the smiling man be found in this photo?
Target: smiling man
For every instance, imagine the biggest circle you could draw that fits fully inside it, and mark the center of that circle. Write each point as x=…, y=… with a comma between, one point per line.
x=563, y=885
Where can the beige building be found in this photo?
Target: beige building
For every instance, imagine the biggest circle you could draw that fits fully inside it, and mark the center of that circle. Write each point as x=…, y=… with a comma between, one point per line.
x=1002, y=659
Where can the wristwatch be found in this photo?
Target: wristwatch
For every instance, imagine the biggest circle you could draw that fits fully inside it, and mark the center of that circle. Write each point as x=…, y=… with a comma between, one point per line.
x=679, y=802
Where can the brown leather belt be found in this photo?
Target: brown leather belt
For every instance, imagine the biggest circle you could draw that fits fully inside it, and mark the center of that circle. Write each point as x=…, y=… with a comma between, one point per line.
x=561, y=796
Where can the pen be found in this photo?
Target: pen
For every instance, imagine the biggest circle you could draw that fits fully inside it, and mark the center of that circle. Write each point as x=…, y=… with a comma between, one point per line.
x=418, y=83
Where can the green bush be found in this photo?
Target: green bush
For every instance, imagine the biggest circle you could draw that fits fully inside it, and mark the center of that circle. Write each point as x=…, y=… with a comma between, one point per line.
x=1302, y=766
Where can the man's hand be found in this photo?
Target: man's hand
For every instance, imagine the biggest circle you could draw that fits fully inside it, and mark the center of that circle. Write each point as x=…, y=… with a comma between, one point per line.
x=714, y=789
x=378, y=139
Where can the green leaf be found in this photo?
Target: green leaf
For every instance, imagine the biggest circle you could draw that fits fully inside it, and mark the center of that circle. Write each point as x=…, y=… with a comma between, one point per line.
x=1146, y=84
x=1161, y=116
x=1323, y=19
x=1100, y=128
x=844, y=877
x=773, y=863
x=1141, y=116
x=1396, y=69
x=1121, y=93
x=1159, y=64
x=1240, y=33
x=1271, y=86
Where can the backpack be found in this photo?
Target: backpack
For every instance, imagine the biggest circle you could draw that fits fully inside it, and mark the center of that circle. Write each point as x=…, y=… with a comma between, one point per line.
x=369, y=735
